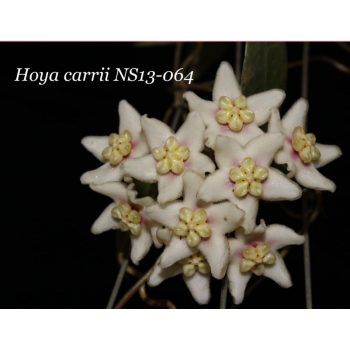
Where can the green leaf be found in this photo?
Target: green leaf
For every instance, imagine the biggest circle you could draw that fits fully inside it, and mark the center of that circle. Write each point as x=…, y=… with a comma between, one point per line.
x=264, y=67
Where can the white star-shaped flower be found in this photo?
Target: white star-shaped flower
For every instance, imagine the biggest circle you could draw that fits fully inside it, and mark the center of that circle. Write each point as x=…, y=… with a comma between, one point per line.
x=113, y=150
x=127, y=213
x=258, y=254
x=196, y=274
x=244, y=176
x=197, y=226
x=172, y=153
x=230, y=113
x=302, y=154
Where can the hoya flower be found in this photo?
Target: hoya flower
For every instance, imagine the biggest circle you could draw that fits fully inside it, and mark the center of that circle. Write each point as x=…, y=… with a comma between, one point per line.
x=257, y=254
x=302, y=154
x=172, y=153
x=127, y=213
x=231, y=113
x=112, y=150
x=196, y=274
x=197, y=226
x=245, y=176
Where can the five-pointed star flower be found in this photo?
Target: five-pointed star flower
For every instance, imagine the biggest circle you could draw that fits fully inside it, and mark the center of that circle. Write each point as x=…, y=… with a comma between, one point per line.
x=196, y=274
x=302, y=154
x=172, y=153
x=113, y=150
x=230, y=113
x=245, y=175
x=258, y=254
x=127, y=213
x=197, y=226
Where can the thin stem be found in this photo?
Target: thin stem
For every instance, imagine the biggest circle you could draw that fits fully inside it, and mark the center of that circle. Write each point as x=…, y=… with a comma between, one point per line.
x=324, y=59
x=133, y=289
x=117, y=284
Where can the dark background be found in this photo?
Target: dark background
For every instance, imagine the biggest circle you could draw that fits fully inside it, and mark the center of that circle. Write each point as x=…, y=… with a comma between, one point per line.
x=49, y=257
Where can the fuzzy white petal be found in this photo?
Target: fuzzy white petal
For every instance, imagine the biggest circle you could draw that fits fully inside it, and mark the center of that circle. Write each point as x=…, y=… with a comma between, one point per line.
x=278, y=272
x=200, y=163
x=191, y=132
x=132, y=195
x=226, y=83
x=105, y=222
x=170, y=187
x=165, y=214
x=114, y=190
x=129, y=119
x=250, y=205
x=277, y=187
x=192, y=183
x=95, y=145
x=237, y=280
x=216, y=250
x=104, y=173
x=176, y=250
x=263, y=148
x=279, y=236
x=228, y=152
x=282, y=157
x=140, y=245
x=308, y=176
x=216, y=187
x=328, y=154
x=199, y=286
x=224, y=217
x=262, y=103
x=275, y=124
x=143, y=168
x=296, y=116
x=158, y=274
x=156, y=132
x=207, y=109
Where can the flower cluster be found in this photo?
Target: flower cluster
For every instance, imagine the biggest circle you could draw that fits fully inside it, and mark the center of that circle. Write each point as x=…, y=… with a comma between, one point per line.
x=201, y=200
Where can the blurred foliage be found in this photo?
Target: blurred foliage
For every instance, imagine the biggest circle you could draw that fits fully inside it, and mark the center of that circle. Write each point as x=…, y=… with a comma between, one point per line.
x=264, y=67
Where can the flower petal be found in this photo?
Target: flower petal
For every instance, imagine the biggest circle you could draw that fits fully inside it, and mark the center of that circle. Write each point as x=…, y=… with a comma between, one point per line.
x=263, y=148
x=250, y=205
x=216, y=187
x=170, y=187
x=140, y=244
x=191, y=133
x=278, y=187
x=114, y=190
x=132, y=195
x=105, y=222
x=216, y=251
x=139, y=147
x=165, y=214
x=279, y=236
x=308, y=176
x=192, y=183
x=278, y=272
x=129, y=119
x=296, y=116
x=224, y=217
x=262, y=103
x=328, y=154
x=143, y=168
x=237, y=280
x=207, y=109
x=156, y=132
x=214, y=129
x=177, y=249
x=154, y=228
x=200, y=163
x=158, y=274
x=104, y=173
x=228, y=152
x=282, y=157
x=226, y=83
x=199, y=286
x=275, y=124
x=95, y=145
